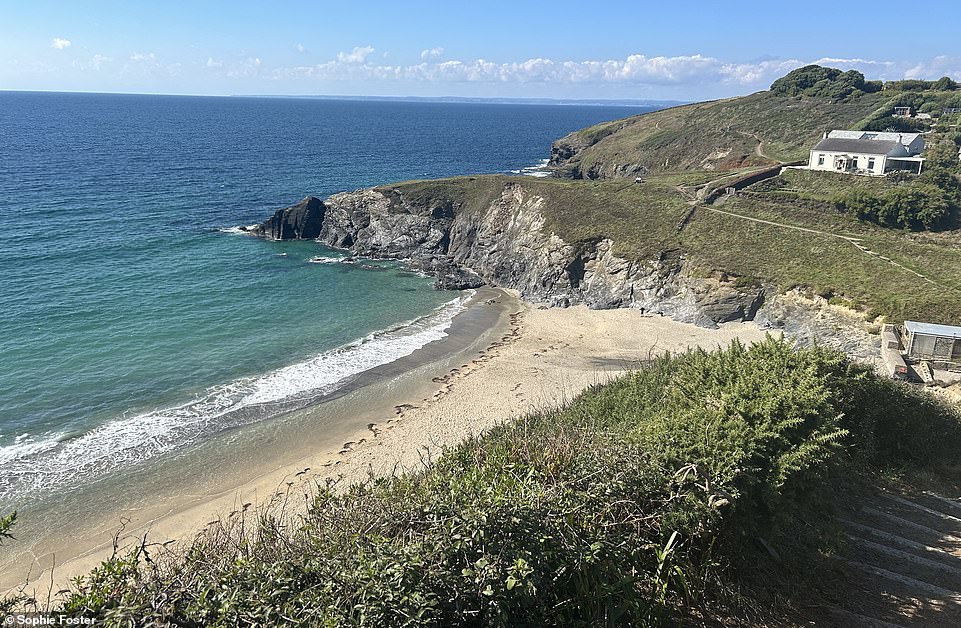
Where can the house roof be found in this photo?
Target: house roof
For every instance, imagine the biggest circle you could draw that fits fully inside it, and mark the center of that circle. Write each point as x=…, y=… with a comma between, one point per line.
x=932, y=329
x=886, y=136
x=864, y=147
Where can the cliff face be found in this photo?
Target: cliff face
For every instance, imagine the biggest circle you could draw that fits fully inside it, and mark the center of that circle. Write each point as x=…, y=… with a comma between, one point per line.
x=505, y=243
x=301, y=221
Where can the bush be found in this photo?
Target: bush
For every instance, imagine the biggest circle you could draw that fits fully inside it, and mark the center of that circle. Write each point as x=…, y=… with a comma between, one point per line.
x=624, y=508
x=927, y=201
x=818, y=81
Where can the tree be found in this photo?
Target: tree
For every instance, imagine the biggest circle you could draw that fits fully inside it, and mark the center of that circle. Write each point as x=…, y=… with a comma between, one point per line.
x=944, y=84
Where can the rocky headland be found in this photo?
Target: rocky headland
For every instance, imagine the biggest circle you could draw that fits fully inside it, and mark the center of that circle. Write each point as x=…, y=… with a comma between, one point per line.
x=502, y=240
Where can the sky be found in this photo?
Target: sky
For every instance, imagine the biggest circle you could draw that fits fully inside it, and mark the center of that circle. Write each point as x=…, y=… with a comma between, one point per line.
x=676, y=50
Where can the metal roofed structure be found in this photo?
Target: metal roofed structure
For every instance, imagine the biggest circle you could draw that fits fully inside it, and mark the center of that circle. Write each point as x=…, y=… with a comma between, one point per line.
x=866, y=147
x=867, y=152
x=930, y=341
x=949, y=331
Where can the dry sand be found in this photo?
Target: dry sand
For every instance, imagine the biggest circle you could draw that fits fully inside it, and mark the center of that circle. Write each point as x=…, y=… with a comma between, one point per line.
x=539, y=358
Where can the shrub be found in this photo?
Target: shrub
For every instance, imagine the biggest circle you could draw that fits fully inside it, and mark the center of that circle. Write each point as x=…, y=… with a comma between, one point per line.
x=818, y=81
x=622, y=509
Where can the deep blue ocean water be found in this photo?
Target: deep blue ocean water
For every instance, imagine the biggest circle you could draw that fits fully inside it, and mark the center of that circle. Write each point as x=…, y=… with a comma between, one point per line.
x=132, y=322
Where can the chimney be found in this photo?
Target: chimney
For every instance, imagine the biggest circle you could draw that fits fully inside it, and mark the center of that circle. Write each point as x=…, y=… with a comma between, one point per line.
x=825, y=136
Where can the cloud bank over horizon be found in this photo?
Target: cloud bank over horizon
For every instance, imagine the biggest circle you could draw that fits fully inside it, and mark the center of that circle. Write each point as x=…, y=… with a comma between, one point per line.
x=364, y=69
x=635, y=68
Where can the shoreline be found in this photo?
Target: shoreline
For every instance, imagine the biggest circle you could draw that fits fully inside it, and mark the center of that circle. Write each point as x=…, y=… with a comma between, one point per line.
x=148, y=498
x=500, y=361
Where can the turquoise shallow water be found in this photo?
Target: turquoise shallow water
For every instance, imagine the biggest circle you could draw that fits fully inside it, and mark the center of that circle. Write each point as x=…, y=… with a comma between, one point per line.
x=132, y=323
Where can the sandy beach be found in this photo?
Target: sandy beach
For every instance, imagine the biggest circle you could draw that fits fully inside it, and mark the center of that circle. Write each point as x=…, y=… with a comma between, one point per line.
x=503, y=359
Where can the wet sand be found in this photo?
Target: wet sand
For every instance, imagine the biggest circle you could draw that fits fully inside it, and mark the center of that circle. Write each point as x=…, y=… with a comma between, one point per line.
x=501, y=360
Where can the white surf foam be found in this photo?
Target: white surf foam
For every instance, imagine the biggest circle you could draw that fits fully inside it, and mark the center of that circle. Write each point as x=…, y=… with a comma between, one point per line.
x=32, y=466
x=238, y=230
x=26, y=445
x=540, y=170
x=330, y=259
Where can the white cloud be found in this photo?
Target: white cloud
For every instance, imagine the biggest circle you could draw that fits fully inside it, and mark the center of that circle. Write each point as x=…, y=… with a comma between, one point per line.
x=213, y=63
x=942, y=65
x=356, y=56
x=98, y=60
x=251, y=66
x=300, y=48
x=138, y=57
x=60, y=43
x=696, y=73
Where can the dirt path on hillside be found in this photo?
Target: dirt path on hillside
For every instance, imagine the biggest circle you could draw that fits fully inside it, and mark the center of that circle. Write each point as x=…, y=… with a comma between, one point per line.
x=697, y=194
x=856, y=242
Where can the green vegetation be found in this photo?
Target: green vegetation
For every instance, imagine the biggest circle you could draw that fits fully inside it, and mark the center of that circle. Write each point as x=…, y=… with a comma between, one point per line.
x=763, y=128
x=727, y=134
x=817, y=81
x=641, y=503
x=643, y=219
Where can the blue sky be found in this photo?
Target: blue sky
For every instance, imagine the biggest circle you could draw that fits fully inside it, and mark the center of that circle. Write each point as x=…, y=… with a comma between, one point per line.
x=672, y=50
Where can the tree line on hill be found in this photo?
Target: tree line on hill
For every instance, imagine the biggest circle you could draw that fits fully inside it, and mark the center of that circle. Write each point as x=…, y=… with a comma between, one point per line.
x=819, y=81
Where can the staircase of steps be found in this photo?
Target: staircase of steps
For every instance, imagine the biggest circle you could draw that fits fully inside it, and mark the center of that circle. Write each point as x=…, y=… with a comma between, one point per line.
x=902, y=566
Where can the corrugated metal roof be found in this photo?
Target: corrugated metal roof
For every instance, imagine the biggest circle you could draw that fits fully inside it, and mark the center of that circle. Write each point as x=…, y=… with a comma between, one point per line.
x=932, y=329
x=866, y=147
x=885, y=136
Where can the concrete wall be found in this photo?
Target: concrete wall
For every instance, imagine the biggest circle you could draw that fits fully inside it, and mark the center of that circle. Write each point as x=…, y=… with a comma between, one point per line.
x=829, y=159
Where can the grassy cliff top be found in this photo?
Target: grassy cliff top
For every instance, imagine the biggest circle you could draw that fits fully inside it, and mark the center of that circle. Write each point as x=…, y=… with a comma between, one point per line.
x=779, y=125
x=785, y=234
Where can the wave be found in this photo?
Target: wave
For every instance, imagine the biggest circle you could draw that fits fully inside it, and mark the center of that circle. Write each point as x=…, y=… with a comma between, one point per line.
x=239, y=230
x=540, y=170
x=331, y=259
x=51, y=463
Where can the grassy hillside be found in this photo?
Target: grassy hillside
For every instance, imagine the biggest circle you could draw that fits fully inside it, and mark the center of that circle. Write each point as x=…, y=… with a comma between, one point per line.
x=717, y=135
x=779, y=125
x=642, y=220
x=639, y=504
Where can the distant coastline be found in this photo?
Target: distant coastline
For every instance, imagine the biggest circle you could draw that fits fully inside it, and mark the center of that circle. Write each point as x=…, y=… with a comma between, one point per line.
x=591, y=102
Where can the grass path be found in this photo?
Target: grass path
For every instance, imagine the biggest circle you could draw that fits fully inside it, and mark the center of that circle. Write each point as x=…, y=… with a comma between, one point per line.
x=696, y=195
x=856, y=242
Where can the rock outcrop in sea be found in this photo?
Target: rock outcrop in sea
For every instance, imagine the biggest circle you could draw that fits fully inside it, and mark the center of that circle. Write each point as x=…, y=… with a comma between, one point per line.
x=302, y=221
x=504, y=243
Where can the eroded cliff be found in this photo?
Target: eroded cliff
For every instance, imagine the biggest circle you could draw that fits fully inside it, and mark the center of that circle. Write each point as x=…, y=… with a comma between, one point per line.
x=501, y=238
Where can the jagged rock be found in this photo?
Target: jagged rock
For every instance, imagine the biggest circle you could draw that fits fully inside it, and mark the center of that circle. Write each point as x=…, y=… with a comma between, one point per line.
x=506, y=244
x=457, y=278
x=302, y=221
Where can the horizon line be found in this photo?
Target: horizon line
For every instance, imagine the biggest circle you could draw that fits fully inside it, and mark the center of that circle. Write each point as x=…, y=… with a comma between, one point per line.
x=452, y=99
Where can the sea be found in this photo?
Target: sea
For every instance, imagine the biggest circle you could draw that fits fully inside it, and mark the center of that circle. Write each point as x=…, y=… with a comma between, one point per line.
x=135, y=319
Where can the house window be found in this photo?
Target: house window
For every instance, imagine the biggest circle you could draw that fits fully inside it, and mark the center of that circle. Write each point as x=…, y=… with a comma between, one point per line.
x=854, y=163
x=820, y=160
x=871, y=163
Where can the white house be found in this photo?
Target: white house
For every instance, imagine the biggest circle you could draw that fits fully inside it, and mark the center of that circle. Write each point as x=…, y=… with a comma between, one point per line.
x=868, y=152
